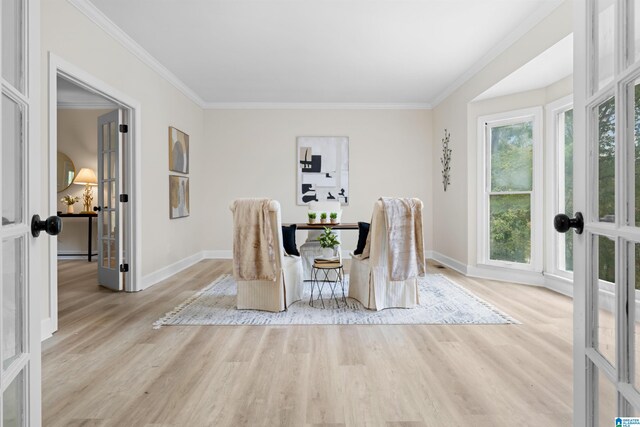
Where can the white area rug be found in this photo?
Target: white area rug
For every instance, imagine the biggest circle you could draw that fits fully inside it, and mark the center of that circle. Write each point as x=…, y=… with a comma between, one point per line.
x=441, y=302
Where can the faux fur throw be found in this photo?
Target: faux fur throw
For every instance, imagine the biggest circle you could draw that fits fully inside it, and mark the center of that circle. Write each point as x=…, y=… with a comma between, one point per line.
x=253, y=251
x=405, y=245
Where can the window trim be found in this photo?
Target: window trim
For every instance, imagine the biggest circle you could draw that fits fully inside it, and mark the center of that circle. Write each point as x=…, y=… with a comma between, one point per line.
x=511, y=117
x=553, y=156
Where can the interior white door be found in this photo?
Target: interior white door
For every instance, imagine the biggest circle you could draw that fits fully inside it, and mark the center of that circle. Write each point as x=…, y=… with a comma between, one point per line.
x=20, y=277
x=110, y=260
x=606, y=190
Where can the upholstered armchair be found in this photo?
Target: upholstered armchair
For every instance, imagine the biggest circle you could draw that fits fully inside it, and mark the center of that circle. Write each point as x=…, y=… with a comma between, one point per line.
x=370, y=278
x=263, y=293
x=311, y=249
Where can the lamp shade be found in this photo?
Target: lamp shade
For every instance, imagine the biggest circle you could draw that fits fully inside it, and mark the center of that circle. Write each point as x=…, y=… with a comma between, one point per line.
x=86, y=176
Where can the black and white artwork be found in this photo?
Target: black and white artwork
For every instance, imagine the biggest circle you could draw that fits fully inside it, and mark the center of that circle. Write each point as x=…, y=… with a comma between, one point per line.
x=323, y=169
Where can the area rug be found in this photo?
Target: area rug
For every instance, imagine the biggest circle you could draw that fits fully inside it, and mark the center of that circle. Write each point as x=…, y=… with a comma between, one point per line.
x=441, y=302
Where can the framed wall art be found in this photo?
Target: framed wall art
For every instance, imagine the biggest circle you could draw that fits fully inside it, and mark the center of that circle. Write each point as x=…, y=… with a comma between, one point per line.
x=178, y=151
x=178, y=196
x=323, y=169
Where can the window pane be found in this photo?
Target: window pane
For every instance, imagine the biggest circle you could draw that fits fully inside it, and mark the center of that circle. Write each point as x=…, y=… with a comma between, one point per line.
x=566, y=191
x=12, y=161
x=606, y=26
x=512, y=157
x=510, y=227
x=636, y=163
x=13, y=403
x=12, y=43
x=606, y=160
x=13, y=274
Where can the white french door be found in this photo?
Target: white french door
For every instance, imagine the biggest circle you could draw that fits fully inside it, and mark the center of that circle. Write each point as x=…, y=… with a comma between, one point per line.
x=20, y=277
x=110, y=258
x=606, y=190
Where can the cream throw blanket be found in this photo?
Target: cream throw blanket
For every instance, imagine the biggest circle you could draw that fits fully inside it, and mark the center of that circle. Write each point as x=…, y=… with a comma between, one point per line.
x=405, y=243
x=253, y=251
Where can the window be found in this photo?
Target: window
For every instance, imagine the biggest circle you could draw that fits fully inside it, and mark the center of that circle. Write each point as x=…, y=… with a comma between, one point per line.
x=510, y=209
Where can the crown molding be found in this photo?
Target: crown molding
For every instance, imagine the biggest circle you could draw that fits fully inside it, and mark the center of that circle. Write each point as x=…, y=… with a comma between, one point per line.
x=107, y=25
x=522, y=29
x=313, y=106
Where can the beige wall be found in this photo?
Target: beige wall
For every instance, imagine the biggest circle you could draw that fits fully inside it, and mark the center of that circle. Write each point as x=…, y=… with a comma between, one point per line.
x=455, y=212
x=252, y=153
x=73, y=37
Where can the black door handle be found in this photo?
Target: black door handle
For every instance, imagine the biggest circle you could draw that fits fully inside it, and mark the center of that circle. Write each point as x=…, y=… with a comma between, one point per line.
x=51, y=225
x=562, y=223
x=97, y=208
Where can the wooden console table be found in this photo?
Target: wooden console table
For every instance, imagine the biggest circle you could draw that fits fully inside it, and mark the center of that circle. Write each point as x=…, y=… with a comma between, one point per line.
x=318, y=226
x=89, y=216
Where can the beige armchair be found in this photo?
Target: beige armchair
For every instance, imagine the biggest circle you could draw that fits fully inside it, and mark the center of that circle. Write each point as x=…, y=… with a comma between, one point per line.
x=370, y=278
x=287, y=286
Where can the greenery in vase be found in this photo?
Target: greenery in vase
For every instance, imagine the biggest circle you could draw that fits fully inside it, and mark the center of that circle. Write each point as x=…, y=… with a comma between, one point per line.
x=311, y=215
x=69, y=199
x=333, y=215
x=323, y=215
x=327, y=239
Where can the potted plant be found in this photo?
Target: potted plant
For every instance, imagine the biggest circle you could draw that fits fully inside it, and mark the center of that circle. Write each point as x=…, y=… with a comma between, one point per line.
x=69, y=200
x=328, y=241
x=312, y=217
x=323, y=218
x=334, y=217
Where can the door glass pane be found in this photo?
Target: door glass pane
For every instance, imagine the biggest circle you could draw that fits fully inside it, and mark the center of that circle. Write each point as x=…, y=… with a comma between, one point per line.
x=114, y=135
x=13, y=43
x=606, y=26
x=606, y=160
x=13, y=403
x=604, y=298
x=634, y=276
x=565, y=122
x=12, y=161
x=510, y=227
x=512, y=157
x=636, y=150
x=112, y=215
x=13, y=273
x=607, y=401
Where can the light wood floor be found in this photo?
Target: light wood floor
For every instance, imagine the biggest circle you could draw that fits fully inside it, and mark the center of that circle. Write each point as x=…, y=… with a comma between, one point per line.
x=106, y=366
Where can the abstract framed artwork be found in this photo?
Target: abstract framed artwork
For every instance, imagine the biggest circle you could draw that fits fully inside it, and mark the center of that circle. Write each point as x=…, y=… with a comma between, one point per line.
x=178, y=151
x=323, y=169
x=178, y=196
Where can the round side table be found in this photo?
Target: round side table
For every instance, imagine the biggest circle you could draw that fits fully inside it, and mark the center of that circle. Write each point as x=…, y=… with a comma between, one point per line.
x=324, y=269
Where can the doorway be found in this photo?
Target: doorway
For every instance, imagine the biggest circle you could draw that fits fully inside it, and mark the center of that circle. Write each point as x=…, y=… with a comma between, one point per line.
x=113, y=231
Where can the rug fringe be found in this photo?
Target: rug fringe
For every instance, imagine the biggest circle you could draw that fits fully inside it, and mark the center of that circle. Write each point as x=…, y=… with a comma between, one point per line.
x=176, y=310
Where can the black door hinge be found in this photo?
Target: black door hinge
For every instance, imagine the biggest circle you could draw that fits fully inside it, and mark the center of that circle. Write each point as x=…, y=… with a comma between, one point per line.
x=124, y=198
x=124, y=268
x=124, y=128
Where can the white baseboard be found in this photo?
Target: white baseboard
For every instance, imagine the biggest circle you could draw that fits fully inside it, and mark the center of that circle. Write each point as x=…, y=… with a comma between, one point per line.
x=218, y=254
x=506, y=275
x=453, y=264
x=170, y=270
x=559, y=284
x=46, y=329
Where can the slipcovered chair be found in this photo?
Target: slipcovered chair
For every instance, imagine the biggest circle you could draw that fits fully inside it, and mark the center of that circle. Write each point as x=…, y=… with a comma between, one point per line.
x=277, y=279
x=311, y=249
x=370, y=279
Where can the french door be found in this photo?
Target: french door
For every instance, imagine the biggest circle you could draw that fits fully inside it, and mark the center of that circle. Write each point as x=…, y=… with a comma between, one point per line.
x=20, y=198
x=110, y=233
x=607, y=190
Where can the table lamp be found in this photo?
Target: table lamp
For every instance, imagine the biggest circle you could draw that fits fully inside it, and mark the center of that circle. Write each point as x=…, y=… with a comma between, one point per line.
x=87, y=177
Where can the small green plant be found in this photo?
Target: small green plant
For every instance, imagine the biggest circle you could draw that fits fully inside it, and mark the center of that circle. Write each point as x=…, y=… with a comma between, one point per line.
x=323, y=215
x=311, y=215
x=333, y=215
x=69, y=199
x=327, y=239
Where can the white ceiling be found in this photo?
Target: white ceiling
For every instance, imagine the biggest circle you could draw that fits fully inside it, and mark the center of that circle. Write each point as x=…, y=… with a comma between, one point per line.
x=73, y=96
x=331, y=51
x=550, y=66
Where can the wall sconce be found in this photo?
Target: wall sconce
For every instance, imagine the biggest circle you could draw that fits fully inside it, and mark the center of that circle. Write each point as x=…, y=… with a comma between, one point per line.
x=87, y=177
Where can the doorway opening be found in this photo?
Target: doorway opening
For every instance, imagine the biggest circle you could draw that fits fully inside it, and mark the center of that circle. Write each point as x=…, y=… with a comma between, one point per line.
x=94, y=162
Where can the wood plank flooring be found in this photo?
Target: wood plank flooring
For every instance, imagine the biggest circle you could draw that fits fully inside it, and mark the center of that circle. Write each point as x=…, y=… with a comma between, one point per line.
x=106, y=366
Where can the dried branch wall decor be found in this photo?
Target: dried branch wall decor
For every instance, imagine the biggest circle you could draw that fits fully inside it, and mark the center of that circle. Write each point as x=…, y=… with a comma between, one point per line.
x=445, y=160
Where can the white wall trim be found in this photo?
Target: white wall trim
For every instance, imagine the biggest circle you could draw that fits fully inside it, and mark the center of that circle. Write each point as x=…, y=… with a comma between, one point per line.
x=108, y=26
x=86, y=105
x=314, y=106
x=506, y=275
x=168, y=271
x=46, y=329
x=526, y=26
x=559, y=284
x=447, y=261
